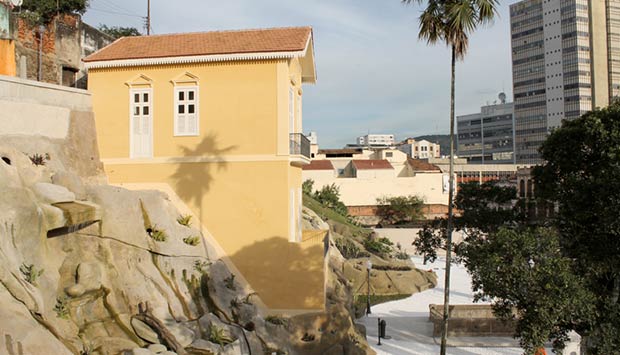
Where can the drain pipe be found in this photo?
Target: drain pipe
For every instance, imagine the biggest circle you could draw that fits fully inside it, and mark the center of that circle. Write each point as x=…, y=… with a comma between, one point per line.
x=40, y=59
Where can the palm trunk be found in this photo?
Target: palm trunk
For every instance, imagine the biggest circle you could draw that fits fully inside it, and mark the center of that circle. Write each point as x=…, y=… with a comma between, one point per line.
x=446, y=297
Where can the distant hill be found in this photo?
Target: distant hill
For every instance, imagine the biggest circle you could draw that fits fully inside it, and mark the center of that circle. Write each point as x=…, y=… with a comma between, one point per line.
x=442, y=139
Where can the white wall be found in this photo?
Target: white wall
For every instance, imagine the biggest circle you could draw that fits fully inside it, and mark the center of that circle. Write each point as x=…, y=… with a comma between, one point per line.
x=364, y=192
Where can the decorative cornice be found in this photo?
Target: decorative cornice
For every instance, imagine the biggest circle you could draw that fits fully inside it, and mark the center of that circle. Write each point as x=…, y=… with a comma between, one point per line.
x=193, y=59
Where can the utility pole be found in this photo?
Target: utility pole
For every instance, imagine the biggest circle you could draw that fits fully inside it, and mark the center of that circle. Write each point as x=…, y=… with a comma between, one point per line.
x=148, y=18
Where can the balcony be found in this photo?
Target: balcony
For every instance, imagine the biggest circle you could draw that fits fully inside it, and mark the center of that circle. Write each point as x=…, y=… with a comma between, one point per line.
x=299, y=149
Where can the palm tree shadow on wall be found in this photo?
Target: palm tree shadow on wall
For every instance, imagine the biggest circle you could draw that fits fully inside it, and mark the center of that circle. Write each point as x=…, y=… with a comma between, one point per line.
x=194, y=179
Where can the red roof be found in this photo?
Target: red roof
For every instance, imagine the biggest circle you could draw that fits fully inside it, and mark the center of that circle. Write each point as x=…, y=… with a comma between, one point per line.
x=371, y=164
x=290, y=39
x=319, y=165
x=422, y=165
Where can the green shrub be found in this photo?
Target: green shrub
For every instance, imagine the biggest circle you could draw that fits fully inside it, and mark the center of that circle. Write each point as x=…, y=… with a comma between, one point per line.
x=192, y=240
x=376, y=246
x=185, y=220
x=307, y=187
x=30, y=272
x=349, y=249
x=329, y=196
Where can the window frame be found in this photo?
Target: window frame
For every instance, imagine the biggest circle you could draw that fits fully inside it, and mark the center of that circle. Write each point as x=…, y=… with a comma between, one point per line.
x=140, y=91
x=177, y=102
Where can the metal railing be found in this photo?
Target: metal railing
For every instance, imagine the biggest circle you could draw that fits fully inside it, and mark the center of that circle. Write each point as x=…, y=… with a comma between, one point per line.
x=299, y=145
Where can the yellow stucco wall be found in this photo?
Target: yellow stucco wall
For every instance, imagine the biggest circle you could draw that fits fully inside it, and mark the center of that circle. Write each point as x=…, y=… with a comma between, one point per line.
x=7, y=57
x=236, y=175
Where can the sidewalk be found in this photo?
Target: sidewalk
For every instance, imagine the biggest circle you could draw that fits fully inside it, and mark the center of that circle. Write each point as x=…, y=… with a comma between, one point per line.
x=411, y=331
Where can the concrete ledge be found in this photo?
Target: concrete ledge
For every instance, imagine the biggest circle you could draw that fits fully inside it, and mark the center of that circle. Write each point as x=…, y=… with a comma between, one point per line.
x=29, y=91
x=470, y=320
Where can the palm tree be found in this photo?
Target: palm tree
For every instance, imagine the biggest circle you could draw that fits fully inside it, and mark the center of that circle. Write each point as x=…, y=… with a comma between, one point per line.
x=451, y=22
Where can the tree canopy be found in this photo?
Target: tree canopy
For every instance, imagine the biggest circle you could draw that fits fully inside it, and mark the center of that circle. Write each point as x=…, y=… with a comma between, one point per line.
x=45, y=10
x=119, y=31
x=558, y=274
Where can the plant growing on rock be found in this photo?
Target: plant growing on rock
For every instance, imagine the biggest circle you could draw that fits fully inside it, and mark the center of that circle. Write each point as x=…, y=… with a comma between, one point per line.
x=157, y=234
x=201, y=266
x=185, y=220
x=61, y=309
x=38, y=159
x=192, y=240
x=378, y=245
x=276, y=320
x=218, y=336
x=247, y=299
x=349, y=249
x=229, y=282
x=30, y=272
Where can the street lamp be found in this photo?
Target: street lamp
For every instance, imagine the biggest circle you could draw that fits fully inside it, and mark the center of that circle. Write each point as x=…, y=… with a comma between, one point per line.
x=368, y=268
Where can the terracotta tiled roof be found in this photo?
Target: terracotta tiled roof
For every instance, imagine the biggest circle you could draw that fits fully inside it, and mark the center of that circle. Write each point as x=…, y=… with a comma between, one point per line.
x=290, y=39
x=368, y=164
x=319, y=165
x=422, y=165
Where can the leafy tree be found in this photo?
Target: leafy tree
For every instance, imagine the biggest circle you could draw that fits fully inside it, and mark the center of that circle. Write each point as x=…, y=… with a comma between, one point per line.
x=45, y=10
x=329, y=196
x=580, y=176
x=307, y=187
x=532, y=283
x=451, y=22
x=119, y=31
x=400, y=209
x=484, y=208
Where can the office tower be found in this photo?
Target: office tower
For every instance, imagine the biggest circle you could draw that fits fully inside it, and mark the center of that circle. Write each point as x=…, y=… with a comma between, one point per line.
x=565, y=62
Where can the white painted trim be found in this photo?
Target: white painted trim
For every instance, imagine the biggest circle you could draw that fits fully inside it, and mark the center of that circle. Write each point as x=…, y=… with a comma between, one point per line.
x=196, y=110
x=132, y=91
x=194, y=59
x=196, y=159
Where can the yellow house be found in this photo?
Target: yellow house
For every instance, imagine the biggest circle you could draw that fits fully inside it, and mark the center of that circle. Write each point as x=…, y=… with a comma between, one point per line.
x=214, y=119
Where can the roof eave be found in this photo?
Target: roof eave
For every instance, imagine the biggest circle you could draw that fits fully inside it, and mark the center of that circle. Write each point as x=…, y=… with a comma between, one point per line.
x=94, y=64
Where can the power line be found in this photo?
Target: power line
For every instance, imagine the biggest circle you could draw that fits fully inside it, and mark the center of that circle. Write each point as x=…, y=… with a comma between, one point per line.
x=115, y=12
x=117, y=7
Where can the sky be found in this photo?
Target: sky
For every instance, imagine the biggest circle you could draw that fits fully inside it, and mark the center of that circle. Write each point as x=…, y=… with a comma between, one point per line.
x=374, y=74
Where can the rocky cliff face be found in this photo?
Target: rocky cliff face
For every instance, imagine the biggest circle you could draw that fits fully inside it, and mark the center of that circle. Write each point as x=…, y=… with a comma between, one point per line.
x=88, y=268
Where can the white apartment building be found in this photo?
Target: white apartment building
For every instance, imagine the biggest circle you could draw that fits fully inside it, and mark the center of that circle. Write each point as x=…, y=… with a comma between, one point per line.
x=421, y=149
x=377, y=140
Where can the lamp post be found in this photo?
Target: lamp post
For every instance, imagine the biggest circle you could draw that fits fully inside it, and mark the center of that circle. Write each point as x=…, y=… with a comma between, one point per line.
x=368, y=268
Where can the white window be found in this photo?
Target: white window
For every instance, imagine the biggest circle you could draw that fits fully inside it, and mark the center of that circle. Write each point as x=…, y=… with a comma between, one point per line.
x=291, y=110
x=141, y=123
x=186, y=111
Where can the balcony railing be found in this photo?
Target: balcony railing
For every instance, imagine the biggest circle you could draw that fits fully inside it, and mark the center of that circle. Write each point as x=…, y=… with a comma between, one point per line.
x=299, y=145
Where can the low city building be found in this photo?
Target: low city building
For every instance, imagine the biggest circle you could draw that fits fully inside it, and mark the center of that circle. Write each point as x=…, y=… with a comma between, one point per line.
x=214, y=119
x=487, y=137
x=419, y=149
x=50, y=53
x=375, y=140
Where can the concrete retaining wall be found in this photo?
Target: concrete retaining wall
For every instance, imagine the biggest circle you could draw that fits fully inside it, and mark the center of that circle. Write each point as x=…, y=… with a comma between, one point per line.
x=35, y=108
